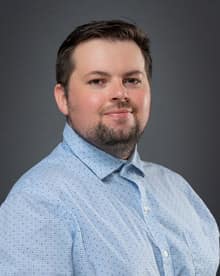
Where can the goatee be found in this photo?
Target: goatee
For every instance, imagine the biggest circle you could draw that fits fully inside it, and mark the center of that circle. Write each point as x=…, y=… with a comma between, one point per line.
x=119, y=143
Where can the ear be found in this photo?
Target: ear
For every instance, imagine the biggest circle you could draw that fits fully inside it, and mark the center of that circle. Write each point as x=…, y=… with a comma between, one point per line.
x=61, y=99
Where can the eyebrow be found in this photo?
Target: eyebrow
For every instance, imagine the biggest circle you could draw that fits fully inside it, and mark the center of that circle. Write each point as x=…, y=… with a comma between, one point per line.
x=101, y=73
x=105, y=74
x=134, y=72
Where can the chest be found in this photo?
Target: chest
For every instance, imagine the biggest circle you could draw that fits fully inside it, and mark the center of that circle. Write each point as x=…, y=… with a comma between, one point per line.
x=120, y=231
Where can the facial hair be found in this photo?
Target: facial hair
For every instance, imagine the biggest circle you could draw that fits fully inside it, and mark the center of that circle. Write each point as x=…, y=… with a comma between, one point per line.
x=119, y=143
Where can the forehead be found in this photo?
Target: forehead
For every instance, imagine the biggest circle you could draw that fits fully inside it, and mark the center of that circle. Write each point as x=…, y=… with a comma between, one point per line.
x=100, y=54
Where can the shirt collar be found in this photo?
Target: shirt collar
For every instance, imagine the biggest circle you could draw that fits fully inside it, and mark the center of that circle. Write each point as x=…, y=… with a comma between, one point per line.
x=100, y=162
x=136, y=162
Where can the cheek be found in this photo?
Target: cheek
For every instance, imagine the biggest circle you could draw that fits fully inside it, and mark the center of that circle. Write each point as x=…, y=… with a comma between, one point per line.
x=87, y=103
x=143, y=101
x=95, y=101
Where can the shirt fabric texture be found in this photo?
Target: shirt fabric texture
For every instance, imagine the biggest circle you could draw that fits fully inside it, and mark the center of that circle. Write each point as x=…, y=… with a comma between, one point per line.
x=81, y=211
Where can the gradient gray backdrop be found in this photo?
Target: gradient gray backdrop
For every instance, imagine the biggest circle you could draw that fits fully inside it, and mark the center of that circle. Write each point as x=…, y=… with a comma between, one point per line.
x=183, y=133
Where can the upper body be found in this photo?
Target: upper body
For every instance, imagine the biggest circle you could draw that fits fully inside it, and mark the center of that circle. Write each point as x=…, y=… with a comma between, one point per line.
x=81, y=211
x=92, y=207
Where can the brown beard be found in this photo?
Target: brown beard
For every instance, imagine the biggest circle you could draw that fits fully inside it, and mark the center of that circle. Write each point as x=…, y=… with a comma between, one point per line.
x=116, y=143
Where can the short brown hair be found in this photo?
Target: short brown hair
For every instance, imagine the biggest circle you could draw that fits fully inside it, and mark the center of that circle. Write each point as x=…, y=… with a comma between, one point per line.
x=112, y=30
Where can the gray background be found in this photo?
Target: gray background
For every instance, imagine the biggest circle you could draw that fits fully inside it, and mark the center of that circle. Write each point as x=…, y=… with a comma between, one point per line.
x=183, y=133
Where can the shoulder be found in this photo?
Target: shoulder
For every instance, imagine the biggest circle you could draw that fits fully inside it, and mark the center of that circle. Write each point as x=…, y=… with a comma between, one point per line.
x=43, y=188
x=174, y=190
x=168, y=181
x=164, y=176
x=40, y=194
x=48, y=177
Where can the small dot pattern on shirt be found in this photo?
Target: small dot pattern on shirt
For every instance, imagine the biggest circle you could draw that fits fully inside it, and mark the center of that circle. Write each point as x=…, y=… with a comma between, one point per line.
x=80, y=211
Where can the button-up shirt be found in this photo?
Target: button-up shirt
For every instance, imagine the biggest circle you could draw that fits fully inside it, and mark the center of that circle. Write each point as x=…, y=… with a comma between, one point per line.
x=81, y=211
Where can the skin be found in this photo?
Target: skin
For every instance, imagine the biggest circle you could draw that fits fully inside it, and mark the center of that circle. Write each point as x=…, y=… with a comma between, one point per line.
x=108, y=93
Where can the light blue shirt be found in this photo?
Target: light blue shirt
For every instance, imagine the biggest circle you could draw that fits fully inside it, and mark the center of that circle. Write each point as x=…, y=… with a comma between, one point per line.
x=83, y=212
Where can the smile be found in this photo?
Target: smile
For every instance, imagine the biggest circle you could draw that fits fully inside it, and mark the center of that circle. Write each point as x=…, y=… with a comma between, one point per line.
x=119, y=113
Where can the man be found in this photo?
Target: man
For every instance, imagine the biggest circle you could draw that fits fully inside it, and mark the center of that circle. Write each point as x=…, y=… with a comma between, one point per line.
x=92, y=207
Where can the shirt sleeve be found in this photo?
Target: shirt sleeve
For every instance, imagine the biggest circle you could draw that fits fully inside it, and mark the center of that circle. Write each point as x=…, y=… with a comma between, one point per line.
x=36, y=236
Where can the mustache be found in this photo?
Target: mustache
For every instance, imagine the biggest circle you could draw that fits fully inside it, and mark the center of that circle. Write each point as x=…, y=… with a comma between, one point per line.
x=119, y=105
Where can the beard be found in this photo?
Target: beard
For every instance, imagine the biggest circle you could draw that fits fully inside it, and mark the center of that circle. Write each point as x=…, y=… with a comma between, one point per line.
x=110, y=137
x=119, y=143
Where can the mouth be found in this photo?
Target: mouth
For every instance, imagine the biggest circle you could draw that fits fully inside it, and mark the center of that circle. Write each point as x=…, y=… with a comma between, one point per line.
x=118, y=113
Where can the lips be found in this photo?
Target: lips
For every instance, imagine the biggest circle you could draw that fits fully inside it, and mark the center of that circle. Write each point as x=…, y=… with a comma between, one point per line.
x=118, y=111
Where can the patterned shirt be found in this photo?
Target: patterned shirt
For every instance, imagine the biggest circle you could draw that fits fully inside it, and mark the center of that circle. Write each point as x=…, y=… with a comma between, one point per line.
x=81, y=211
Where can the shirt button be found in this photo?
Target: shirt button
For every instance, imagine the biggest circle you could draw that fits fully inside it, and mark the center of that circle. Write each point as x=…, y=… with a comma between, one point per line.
x=146, y=209
x=165, y=253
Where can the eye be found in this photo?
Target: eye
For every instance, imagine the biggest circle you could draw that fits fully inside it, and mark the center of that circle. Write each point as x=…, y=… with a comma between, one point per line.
x=132, y=82
x=97, y=82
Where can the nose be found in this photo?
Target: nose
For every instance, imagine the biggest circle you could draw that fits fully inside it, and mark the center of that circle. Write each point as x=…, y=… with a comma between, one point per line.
x=119, y=91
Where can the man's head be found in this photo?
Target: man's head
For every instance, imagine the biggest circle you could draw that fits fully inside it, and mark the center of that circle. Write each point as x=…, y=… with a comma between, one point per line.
x=103, y=74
